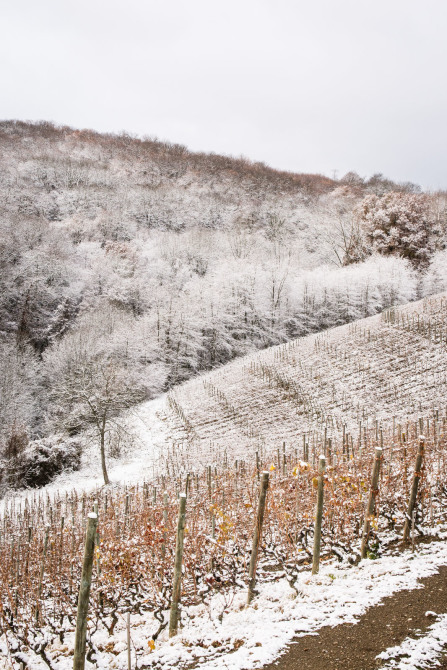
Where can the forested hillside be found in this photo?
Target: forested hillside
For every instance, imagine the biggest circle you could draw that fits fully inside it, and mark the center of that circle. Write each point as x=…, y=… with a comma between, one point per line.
x=129, y=265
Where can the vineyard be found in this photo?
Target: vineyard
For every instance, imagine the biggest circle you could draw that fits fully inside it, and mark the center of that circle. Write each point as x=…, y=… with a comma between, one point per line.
x=379, y=383
x=387, y=368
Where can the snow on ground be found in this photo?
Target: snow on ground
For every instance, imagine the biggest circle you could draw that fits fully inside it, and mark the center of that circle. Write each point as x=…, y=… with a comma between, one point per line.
x=335, y=596
x=249, y=637
x=418, y=653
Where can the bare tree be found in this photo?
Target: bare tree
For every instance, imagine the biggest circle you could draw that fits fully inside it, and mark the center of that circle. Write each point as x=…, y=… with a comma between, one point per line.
x=93, y=377
x=96, y=392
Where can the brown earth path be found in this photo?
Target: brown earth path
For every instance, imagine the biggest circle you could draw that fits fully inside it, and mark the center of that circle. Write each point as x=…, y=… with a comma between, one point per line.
x=355, y=646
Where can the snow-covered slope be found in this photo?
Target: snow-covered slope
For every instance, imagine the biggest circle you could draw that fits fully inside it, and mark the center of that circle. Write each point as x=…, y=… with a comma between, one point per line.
x=386, y=368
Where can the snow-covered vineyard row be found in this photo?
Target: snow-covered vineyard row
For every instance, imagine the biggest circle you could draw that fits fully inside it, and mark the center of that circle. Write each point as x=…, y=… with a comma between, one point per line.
x=42, y=543
x=387, y=369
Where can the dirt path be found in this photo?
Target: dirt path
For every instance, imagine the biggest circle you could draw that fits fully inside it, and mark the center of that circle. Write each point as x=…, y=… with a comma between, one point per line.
x=355, y=646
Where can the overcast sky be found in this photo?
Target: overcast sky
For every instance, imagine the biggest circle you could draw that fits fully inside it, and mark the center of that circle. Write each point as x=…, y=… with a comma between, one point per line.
x=307, y=86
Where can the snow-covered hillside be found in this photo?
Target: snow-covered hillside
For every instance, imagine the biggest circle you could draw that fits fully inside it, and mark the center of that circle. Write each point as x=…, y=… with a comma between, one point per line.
x=389, y=368
x=165, y=264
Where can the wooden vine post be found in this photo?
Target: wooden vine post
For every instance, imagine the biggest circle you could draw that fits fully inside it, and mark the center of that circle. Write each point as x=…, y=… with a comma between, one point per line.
x=84, y=593
x=165, y=523
x=319, y=516
x=177, y=581
x=257, y=536
x=42, y=569
x=414, y=488
x=370, y=507
x=129, y=655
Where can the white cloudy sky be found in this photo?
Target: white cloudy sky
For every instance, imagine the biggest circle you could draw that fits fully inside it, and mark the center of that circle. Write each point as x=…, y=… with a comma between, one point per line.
x=311, y=86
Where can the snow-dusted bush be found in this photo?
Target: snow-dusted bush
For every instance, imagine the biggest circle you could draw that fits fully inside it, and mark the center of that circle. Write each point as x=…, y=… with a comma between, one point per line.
x=35, y=464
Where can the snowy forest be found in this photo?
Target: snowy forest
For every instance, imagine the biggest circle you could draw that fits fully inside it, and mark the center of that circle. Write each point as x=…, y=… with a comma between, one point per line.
x=129, y=265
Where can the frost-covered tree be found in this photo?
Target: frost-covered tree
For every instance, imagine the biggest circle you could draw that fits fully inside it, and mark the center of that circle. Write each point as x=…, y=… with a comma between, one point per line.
x=95, y=392
x=400, y=224
x=342, y=232
x=435, y=278
x=19, y=383
x=329, y=296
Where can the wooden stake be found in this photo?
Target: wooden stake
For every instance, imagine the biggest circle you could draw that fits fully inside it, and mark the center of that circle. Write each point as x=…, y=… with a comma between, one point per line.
x=129, y=658
x=370, y=507
x=319, y=516
x=257, y=537
x=84, y=593
x=413, y=521
x=177, y=581
x=414, y=488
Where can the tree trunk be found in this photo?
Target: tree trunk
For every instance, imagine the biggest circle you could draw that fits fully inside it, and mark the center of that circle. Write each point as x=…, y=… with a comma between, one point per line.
x=103, y=451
